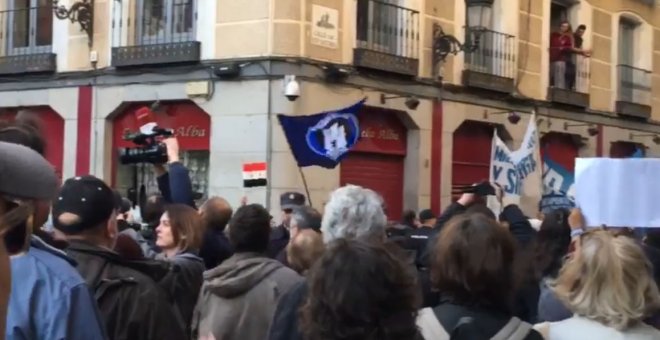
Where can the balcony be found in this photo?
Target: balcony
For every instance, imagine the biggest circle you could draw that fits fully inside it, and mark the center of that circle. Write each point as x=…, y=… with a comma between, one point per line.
x=634, y=94
x=387, y=38
x=26, y=36
x=491, y=62
x=570, y=82
x=156, y=32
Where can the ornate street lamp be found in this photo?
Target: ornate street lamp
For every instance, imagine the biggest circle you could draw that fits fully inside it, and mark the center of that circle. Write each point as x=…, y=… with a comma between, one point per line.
x=478, y=14
x=82, y=12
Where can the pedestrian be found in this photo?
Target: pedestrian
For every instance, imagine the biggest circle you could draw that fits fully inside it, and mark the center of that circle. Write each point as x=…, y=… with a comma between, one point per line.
x=179, y=235
x=472, y=267
x=304, y=249
x=216, y=213
x=238, y=297
x=49, y=299
x=132, y=304
x=374, y=298
x=280, y=235
x=302, y=218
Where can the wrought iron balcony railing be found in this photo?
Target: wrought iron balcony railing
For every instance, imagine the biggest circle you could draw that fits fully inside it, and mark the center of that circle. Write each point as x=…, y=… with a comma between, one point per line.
x=26, y=36
x=154, y=32
x=387, y=37
x=634, y=91
x=491, y=61
x=570, y=82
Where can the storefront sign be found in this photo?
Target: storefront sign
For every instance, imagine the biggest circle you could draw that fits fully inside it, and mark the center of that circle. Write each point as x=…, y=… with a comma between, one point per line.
x=381, y=132
x=191, y=125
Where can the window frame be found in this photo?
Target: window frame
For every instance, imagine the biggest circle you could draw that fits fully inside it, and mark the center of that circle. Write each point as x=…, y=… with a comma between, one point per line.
x=33, y=27
x=169, y=23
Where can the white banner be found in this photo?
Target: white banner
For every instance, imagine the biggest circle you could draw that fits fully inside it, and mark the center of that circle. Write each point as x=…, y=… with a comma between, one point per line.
x=518, y=172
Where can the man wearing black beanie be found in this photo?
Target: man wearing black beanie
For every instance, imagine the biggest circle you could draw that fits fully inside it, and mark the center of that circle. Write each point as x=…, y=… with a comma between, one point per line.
x=131, y=302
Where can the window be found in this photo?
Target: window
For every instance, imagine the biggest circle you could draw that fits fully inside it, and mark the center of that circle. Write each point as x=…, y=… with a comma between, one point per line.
x=627, y=41
x=165, y=21
x=30, y=26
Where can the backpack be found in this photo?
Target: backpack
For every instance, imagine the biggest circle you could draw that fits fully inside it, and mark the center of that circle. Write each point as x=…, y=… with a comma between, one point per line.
x=467, y=328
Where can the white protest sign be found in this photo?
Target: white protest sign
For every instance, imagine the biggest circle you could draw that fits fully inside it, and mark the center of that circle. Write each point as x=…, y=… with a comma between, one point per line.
x=618, y=192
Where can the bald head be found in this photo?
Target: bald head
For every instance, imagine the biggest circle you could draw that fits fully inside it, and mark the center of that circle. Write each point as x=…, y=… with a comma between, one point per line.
x=305, y=248
x=216, y=213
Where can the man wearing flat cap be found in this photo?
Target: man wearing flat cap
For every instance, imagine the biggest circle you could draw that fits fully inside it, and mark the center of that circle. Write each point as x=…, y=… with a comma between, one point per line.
x=279, y=236
x=49, y=299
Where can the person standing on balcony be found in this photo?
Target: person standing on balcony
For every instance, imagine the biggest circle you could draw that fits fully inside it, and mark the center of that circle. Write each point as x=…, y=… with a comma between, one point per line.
x=576, y=62
x=561, y=48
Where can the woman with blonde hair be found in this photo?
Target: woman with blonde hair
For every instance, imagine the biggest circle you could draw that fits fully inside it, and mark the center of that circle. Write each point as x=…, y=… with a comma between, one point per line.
x=607, y=284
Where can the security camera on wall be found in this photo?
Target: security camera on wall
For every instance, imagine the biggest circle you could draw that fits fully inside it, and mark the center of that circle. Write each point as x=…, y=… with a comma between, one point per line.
x=291, y=88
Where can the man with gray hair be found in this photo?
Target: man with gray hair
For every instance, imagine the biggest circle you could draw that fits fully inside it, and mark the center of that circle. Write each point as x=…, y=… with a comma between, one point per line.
x=352, y=212
x=302, y=218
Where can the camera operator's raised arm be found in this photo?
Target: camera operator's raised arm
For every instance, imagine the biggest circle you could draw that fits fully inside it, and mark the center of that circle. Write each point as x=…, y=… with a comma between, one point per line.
x=175, y=185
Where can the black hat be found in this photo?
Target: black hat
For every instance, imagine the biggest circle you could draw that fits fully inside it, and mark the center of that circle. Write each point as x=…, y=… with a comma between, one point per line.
x=87, y=197
x=290, y=200
x=426, y=215
x=26, y=174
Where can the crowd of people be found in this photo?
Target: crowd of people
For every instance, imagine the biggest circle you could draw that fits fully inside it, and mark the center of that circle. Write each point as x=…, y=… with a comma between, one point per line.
x=181, y=272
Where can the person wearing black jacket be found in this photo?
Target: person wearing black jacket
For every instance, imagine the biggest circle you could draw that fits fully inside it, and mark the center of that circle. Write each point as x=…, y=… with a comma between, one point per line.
x=132, y=303
x=216, y=213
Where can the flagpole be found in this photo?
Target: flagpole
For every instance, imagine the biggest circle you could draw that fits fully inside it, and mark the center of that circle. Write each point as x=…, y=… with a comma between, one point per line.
x=302, y=174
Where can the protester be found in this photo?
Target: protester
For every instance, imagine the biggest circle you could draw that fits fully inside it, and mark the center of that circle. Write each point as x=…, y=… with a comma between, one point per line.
x=374, y=298
x=179, y=235
x=418, y=238
x=49, y=299
x=174, y=182
x=352, y=212
x=280, y=236
x=131, y=303
x=216, y=213
x=302, y=218
x=473, y=268
x=607, y=284
x=238, y=298
x=552, y=244
x=304, y=249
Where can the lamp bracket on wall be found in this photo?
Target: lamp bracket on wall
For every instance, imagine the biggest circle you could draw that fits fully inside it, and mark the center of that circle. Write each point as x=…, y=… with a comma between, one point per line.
x=512, y=116
x=656, y=138
x=446, y=44
x=592, y=130
x=82, y=12
x=411, y=101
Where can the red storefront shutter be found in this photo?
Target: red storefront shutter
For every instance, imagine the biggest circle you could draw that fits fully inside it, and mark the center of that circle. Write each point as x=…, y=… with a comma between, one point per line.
x=471, y=153
x=560, y=148
x=381, y=173
x=377, y=160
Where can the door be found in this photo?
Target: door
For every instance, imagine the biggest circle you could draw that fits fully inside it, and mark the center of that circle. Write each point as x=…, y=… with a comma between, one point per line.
x=471, y=153
x=626, y=60
x=379, y=172
x=622, y=149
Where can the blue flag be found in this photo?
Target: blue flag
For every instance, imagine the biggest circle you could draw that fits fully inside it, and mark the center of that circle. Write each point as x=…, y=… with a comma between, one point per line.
x=322, y=139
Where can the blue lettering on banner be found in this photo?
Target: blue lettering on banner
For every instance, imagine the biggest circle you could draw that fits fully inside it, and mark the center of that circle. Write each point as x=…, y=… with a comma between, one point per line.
x=501, y=155
x=557, y=187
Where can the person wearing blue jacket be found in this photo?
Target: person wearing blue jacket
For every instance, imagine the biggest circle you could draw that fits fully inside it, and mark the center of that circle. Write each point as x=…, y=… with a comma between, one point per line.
x=49, y=299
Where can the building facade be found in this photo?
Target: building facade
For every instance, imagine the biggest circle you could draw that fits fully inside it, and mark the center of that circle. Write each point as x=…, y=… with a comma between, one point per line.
x=215, y=72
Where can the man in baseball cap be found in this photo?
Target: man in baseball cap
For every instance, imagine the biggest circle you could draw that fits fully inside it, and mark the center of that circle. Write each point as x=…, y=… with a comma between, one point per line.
x=85, y=212
x=63, y=305
x=279, y=236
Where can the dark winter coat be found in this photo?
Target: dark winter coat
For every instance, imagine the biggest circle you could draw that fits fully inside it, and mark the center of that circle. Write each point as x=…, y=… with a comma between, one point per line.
x=215, y=248
x=279, y=238
x=133, y=305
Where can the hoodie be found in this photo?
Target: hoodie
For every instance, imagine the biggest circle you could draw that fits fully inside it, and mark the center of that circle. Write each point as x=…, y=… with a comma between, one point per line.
x=238, y=298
